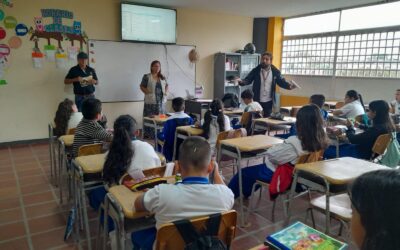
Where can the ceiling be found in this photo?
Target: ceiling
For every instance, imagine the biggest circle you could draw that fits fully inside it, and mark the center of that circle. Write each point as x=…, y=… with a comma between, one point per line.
x=259, y=8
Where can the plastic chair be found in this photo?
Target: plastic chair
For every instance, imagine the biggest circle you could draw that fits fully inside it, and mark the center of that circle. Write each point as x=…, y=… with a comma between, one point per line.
x=312, y=157
x=339, y=207
x=91, y=149
x=169, y=238
x=380, y=145
x=71, y=131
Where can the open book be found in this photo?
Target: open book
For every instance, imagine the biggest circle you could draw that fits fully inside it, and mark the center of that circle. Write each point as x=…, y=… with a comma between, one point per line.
x=301, y=236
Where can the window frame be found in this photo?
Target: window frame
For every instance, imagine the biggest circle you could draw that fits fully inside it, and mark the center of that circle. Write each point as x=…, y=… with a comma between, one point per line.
x=339, y=34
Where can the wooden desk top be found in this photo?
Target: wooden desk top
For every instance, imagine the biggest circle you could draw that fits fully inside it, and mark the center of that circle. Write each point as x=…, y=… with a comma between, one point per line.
x=252, y=143
x=286, y=121
x=67, y=139
x=157, y=119
x=260, y=247
x=341, y=170
x=189, y=130
x=331, y=103
x=126, y=198
x=91, y=164
x=233, y=112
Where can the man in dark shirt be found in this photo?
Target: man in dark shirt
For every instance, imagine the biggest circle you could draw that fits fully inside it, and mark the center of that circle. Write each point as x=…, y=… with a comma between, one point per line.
x=84, y=78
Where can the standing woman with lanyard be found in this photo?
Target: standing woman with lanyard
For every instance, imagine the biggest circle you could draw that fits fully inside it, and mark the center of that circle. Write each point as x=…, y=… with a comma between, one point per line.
x=155, y=88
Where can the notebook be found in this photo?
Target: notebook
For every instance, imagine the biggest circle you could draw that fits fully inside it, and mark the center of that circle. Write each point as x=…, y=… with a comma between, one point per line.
x=301, y=236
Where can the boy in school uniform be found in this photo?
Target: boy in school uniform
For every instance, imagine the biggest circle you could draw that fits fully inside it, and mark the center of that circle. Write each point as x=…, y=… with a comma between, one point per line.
x=250, y=105
x=179, y=118
x=89, y=131
x=395, y=104
x=194, y=197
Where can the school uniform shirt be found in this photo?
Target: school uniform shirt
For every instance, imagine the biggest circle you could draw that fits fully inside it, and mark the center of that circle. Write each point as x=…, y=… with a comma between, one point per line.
x=89, y=132
x=178, y=115
x=365, y=141
x=214, y=130
x=74, y=120
x=287, y=152
x=144, y=157
x=352, y=109
x=396, y=107
x=253, y=107
x=183, y=201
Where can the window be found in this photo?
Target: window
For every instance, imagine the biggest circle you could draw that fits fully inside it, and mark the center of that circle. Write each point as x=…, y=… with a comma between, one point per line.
x=367, y=52
x=309, y=56
x=312, y=24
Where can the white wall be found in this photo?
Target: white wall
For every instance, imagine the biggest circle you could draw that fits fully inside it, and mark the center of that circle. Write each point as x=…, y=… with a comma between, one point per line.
x=335, y=88
x=30, y=99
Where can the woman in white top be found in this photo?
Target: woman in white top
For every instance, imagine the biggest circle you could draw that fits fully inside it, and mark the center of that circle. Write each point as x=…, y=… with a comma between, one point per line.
x=127, y=154
x=353, y=107
x=395, y=104
x=67, y=117
x=215, y=122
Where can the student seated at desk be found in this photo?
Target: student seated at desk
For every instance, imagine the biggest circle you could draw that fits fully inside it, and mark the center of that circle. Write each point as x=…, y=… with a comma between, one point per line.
x=127, y=154
x=353, y=107
x=318, y=100
x=249, y=104
x=89, y=131
x=177, y=119
x=215, y=122
x=310, y=137
x=194, y=197
x=67, y=117
x=362, y=143
x=375, y=203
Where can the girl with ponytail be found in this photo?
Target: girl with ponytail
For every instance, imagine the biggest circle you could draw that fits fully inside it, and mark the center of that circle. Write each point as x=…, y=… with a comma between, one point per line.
x=127, y=154
x=354, y=105
x=215, y=122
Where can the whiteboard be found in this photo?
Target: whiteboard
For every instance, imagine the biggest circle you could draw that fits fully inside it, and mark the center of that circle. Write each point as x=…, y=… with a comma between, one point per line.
x=120, y=67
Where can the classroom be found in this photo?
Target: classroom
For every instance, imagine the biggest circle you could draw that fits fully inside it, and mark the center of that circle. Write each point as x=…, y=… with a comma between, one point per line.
x=188, y=124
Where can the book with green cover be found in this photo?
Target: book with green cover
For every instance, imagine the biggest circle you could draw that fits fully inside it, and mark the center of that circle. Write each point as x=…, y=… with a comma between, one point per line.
x=302, y=237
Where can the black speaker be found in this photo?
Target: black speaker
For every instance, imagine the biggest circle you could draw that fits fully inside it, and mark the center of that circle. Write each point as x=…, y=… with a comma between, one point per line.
x=260, y=34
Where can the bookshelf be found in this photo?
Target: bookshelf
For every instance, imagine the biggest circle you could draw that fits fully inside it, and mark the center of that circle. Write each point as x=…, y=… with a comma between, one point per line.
x=228, y=66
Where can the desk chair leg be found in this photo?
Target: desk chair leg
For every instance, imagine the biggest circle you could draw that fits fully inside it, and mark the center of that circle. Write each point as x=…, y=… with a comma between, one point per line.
x=175, y=140
x=60, y=171
x=85, y=215
x=242, y=215
x=327, y=223
x=291, y=195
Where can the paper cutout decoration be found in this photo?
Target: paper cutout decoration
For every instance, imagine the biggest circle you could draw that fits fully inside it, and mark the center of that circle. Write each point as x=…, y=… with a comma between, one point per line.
x=21, y=29
x=4, y=50
x=37, y=59
x=1, y=15
x=3, y=82
x=72, y=52
x=15, y=42
x=61, y=60
x=38, y=23
x=10, y=22
x=77, y=27
x=57, y=16
x=7, y=3
x=3, y=33
x=50, y=52
x=3, y=65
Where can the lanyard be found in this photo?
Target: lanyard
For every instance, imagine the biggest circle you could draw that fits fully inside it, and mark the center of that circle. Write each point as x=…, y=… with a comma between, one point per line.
x=195, y=180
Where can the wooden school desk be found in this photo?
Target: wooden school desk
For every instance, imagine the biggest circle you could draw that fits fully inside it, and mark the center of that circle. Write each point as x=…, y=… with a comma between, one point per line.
x=331, y=104
x=184, y=132
x=245, y=148
x=233, y=113
x=267, y=123
x=119, y=204
x=86, y=175
x=337, y=172
x=157, y=123
x=64, y=147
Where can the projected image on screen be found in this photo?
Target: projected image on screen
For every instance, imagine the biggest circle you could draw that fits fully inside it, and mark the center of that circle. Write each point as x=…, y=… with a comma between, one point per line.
x=142, y=23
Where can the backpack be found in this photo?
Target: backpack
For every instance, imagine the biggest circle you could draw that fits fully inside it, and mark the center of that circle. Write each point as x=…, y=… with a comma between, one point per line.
x=391, y=158
x=230, y=100
x=206, y=240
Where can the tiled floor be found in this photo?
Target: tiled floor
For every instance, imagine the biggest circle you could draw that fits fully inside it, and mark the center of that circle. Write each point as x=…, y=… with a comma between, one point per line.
x=31, y=218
